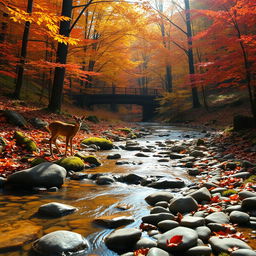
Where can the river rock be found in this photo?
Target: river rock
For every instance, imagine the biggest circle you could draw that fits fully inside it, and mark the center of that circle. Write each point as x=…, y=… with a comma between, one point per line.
x=177, y=148
x=193, y=171
x=243, y=175
x=38, y=123
x=104, y=180
x=197, y=153
x=15, y=234
x=130, y=178
x=223, y=244
x=234, y=208
x=202, y=194
x=113, y=221
x=157, y=252
x=122, y=240
x=55, y=209
x=165, y=184
x=2, y=181
x=158, y=209
x=177, y=156
x=204, y=233
x=217, y=217
x=199, y=250
x=114, y=156
x=239, y=217
x=183, y=205
x=243, y=252
x=249, y=203
x=140, y=154
x=192, y=222
x=162, y=204
x=145, y=243
x=60, y=242
x=246, y=194
x=157, y=217
x=42, y=175
x=152, y=199
x=189, y=239
x=167, y=225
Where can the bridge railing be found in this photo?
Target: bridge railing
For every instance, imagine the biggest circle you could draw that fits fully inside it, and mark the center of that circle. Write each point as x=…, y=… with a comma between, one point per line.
x=123, y=91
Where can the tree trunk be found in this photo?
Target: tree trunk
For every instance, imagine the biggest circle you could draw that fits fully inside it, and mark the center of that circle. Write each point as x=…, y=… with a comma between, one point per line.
x=23, y=54
x=195, y=98
x=168, y=80
x=62, y=52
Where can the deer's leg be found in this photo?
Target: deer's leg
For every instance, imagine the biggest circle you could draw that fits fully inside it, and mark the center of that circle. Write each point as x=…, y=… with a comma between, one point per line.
x=71, y=146
x=54, y=140
x=67, y=141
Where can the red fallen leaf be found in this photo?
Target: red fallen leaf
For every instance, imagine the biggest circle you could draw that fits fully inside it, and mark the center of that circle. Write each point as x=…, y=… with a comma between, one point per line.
x=174, y=241
x=234, y=197
x=215, y=199
x=179, y=217
x=146, y=227
x=141, y=252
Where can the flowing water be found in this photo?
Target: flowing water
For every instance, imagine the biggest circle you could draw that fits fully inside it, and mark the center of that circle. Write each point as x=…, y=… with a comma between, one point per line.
x=93, y=200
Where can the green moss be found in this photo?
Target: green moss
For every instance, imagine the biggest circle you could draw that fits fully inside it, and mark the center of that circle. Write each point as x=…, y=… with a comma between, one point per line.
x=223, y=254
x=71, y=163
x=37, y=160
x=125, y=129
x=251, y=179
x=104, y=144
x=229, y=130
x=229, y=192
x=25, y=142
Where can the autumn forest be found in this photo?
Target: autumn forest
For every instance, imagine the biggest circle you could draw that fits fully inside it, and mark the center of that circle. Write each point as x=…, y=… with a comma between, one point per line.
x=188, y=50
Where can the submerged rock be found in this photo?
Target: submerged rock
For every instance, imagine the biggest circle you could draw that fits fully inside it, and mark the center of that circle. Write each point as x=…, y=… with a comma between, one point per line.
x=56, y=209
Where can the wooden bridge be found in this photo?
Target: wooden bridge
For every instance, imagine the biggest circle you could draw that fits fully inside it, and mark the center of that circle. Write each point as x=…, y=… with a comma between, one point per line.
x=145, y=97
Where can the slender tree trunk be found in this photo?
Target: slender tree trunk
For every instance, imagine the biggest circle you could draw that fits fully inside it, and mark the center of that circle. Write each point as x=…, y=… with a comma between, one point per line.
x=168, y=80
x=195, y=97
x=62, y=52
x=23, y=54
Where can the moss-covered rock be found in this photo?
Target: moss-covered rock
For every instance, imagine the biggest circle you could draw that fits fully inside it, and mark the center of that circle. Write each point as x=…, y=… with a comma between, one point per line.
x=25, y=142
x=37, y=160
x=72, y=163
x=102, y=143
x=125, y=129
x=90, y=159
x=229, y=192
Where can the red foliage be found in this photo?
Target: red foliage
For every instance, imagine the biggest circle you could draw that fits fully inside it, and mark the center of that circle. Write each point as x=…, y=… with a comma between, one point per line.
x=141, y=252
x=174, y=241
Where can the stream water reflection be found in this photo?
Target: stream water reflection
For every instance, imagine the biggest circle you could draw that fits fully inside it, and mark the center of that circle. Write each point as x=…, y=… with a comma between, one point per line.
x=93, y=200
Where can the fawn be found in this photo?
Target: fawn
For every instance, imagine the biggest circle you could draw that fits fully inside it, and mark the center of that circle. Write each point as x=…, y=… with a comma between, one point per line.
x=57, y=128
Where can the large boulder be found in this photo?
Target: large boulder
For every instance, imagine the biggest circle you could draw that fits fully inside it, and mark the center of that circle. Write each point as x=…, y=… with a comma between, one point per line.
x=189, y=239
x=60, y=243
x=72, y=163
x=42, y=175
x=25, y=142
x=102, y=143
x=15, y=118
x=183, y=205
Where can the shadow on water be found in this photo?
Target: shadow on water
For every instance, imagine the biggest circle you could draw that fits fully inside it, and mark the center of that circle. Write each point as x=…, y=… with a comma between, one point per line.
x=93, y=200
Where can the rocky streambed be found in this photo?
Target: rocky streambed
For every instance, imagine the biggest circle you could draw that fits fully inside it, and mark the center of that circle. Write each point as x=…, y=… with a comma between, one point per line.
x=171, y=192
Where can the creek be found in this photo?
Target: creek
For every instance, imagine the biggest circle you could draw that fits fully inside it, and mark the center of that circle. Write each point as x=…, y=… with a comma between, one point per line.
x=94, y=200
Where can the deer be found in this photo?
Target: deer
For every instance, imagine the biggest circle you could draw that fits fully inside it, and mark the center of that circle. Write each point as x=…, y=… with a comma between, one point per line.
x=69, y=131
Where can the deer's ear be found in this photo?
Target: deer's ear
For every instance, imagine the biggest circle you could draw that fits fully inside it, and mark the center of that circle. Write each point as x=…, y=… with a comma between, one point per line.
x=83, y=117
x=74, y=117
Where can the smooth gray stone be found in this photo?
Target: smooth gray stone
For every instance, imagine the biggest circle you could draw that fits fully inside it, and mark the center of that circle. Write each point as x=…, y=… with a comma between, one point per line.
x=157, y=252
x=210, y=185
x=154, y=219
x=223, y=244
x=42, y=175
x=217, y=217
x=202, y=194
x=183, y=205
x=204, y=233
x=122, y=240
x=15, y=118
x=243, y=175
x=193, y=172
x=145, y=243
x=246, y=194
x=167, y=225
x=249, y=203
x=162, y=204
x=177, y=148
x=130, y=178
x=189, y=239
x=104, y=180
x=199, y=251
x=114, y=222
x=152, y=199
x=234, y=208
x=200, y=214
x=114, y=156
x=216, y=227
x=159, y=209
x=239, y=217
x=218, y=190
x=60, y=242
x=168, y=183
x=197, y=153
x=55, y=209
x=128, y=254
x=243, y=252
x=192, y=222
x=177, y=156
